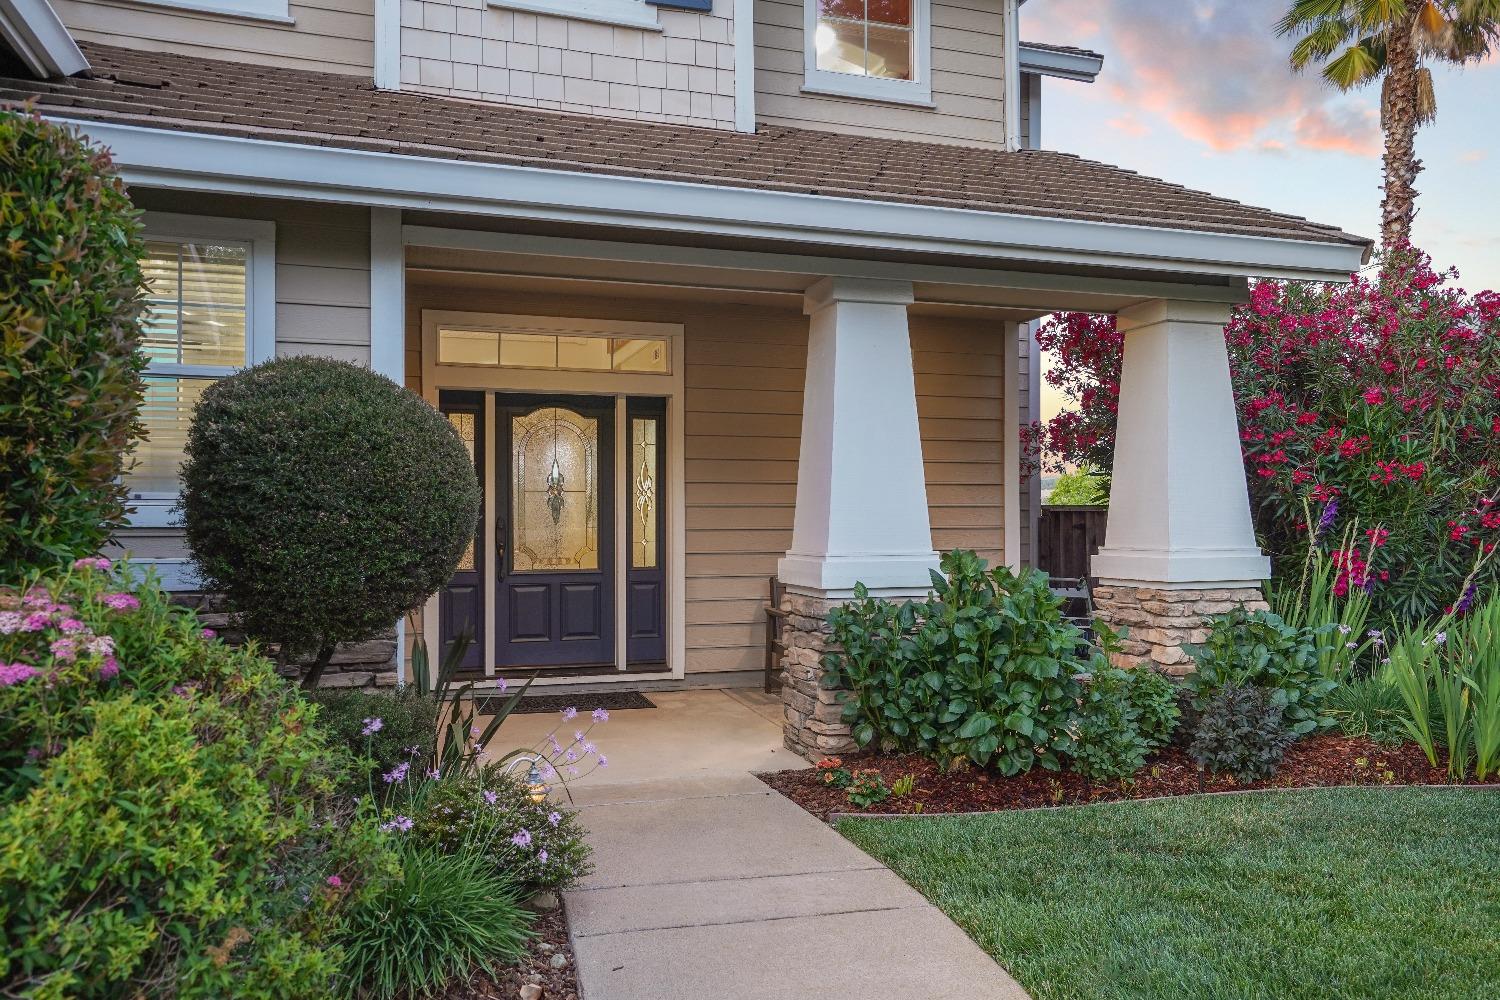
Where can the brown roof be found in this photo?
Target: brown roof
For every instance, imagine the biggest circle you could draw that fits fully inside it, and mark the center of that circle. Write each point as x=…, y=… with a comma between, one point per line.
x=172, y=91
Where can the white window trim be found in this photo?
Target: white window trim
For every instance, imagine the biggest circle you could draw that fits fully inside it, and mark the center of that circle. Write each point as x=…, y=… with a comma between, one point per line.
x=274, y=11
x=260, y=326
x=917, y=90
x=621, y=13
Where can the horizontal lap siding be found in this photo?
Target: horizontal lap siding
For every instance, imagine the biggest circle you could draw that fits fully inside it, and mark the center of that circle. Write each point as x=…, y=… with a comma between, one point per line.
x=322, y=293
x=967, y=79
x=335, y=36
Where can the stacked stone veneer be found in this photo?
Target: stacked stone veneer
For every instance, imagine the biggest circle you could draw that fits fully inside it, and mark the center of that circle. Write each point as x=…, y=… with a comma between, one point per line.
x=811, y=726
x=1156, y=624
x=683, y=74
x=354, y=665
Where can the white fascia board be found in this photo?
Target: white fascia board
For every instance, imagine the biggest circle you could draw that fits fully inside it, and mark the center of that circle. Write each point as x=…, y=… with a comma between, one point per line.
x=232, y=165
x=32, y=29
x=1064, y=65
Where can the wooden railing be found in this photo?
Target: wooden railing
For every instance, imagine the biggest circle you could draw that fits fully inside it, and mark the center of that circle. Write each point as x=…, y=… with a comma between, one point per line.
x=1067, y=537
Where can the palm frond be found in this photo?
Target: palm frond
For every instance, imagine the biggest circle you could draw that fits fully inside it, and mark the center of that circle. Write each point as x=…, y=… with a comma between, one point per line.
x=1321, y=42
x=1355, y=68
x=1378, y=15
x=1306, y=15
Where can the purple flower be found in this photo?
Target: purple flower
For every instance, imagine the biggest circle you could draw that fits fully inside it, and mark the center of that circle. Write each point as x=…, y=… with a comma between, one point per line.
x=1440, y=638
x=65, y=649
x=413, y=750
x=570, y=713
x=1467, y=600
x=600, y=715
x=209, y=633
x=335, y=881
x=72, y=625
x=603, y=761
x=92, y=562
x=397, y=773
x=372, y=726
x=554, y=818
x=490, y=796
x=402, y=823
x=571, y=757
x=541, y=856
x=434, y=773
x=36, y=621
x=522, y=838
x=101, y=644
x=1330, y=514
x=108, y=668
x=502, y=685
x=589, y=748
x=15, y=673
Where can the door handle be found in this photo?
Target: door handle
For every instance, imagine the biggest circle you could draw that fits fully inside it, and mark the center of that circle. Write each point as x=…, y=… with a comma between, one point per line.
x=500, y=544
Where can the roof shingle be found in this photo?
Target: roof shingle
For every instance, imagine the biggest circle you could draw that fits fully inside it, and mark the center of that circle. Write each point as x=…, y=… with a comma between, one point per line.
x=173, y=91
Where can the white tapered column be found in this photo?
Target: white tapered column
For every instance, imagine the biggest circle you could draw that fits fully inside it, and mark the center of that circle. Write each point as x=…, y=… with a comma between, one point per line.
x=1179, y=543
x=861, y=489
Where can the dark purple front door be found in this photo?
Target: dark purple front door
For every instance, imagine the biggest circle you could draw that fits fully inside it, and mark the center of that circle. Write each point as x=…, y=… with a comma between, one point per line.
x=461, y=602
x=555, y=532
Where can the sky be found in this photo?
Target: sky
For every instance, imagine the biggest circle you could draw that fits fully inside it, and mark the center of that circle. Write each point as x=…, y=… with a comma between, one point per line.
x=1199, y=92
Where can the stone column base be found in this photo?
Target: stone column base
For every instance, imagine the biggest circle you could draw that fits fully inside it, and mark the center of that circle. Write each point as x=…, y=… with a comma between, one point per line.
x=811, y=725
x=1156, y=624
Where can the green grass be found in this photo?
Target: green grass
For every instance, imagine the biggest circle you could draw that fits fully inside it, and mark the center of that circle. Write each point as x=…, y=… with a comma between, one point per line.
x=1330, y=893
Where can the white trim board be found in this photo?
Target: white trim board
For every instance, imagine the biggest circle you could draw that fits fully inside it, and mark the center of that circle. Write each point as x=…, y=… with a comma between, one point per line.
x=34, y=32
x=230, y=164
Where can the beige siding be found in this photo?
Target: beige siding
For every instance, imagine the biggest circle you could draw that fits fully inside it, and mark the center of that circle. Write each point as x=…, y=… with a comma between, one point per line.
x=743, y=381
x=335, y=36
x=322, y=292
x=683, y=73
x=967, y=81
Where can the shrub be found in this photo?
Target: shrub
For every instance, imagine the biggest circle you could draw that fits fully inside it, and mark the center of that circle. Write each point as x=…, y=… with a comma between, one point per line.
x=1086, y=487
x=985, y=669
x=433, y=920
x=324, y=501
x=538, y=845
x=407, y=721
x=1241, y=731
x=165, y=819
x=1258, y=649
x=70, y=374
x=1123, y=717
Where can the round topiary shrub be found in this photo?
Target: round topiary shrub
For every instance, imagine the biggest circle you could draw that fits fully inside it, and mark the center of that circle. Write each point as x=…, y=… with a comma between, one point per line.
x=324, y=501
x=70, y=375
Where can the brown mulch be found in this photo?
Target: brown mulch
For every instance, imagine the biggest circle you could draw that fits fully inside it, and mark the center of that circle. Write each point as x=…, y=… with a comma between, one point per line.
x=1317, y=761
x=550, y=937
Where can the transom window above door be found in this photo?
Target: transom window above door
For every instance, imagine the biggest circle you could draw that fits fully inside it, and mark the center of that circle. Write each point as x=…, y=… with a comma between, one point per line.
x=874, y=49
x=522, y=348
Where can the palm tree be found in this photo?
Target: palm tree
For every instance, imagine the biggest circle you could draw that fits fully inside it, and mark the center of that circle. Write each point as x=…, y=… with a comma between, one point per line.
x=1359, y=41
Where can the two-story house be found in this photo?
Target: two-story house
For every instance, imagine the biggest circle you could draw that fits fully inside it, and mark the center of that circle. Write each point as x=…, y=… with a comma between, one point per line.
x=752, y=275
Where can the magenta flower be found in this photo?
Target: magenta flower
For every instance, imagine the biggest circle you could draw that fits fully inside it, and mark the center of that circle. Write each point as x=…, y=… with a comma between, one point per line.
x=15, y=673
x=209, y=633
x=92, y=562
x=72, y=625
x=36, y=621
x=121, y=602
x=335, y=881
x=108, y=668
x=65, y=649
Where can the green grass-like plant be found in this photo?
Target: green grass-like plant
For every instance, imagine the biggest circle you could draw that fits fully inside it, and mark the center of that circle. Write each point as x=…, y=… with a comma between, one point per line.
x=434, y=920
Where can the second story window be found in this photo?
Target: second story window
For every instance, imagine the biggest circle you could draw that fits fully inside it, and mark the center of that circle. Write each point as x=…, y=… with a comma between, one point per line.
x=875, y=49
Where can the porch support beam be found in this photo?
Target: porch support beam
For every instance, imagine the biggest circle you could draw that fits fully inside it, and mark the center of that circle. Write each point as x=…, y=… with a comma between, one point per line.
x=861, y=489
x=1179, y=543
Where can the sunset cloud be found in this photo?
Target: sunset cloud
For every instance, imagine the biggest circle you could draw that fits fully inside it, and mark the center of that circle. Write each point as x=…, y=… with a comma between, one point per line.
x=1213, y=70
x=1472, y=155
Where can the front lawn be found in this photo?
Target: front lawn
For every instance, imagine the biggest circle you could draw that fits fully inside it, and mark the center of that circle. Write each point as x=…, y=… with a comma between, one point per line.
x=1324, y=893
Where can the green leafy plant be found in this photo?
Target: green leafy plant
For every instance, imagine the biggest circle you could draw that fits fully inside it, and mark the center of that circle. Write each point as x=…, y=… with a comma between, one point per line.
x=324, y=501
x=904, y=786
x=70, y=373
x=1258, y=649
x=1084, y=487
x=167, y=817
x=437, y=917
x=1368, y=706
x=1336, y=621
x=833, y=773
x=1124, y=715
x=408, y=728
x=867, y=788
x=1241, y=731
x=984, y=669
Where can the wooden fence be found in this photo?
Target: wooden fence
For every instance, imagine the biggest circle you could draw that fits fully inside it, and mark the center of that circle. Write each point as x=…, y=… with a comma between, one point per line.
x=1067, y=537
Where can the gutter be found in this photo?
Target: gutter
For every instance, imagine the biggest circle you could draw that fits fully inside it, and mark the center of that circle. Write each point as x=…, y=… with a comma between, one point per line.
x=197, y=161
x=1045, y=61
x=34, y=32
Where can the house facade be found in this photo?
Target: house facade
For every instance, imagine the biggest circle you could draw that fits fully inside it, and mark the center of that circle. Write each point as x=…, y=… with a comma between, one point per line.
x=715, y=291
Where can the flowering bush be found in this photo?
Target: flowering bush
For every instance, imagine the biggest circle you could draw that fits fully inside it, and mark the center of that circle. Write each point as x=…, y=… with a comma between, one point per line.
x=166, y=826
x=1374, y=404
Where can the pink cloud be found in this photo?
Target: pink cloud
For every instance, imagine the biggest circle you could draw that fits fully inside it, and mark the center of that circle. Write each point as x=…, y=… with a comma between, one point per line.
x=1472, y=155
x=1213, y=70
x=1130, y=125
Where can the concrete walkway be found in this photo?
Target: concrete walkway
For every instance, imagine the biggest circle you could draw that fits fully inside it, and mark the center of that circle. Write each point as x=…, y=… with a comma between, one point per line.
x=709, y=886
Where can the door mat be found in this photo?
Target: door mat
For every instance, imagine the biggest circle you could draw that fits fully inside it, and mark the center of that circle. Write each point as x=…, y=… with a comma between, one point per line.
x=610, y=701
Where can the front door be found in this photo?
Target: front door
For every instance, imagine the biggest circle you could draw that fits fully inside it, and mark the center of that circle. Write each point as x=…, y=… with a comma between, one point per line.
x=554, y=532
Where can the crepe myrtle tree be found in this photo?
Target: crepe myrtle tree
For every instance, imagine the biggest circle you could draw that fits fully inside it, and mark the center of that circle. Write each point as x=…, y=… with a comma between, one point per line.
x=324, y=501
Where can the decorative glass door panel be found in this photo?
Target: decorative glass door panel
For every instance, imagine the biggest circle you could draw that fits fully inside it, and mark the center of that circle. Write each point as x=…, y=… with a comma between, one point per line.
x=645, y=576
x=555, y=592
x=461, y=602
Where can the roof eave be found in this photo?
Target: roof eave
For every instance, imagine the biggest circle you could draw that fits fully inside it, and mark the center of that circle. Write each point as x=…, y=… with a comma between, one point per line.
x=1062, y=65
x=233, y=165
x=32, y=29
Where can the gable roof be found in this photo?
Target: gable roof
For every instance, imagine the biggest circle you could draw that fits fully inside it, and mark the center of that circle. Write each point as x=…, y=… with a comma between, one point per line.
x=186, y=93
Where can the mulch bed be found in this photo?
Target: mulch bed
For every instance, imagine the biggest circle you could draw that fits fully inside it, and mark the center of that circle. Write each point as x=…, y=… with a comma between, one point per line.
x=1317, y=761
x=536, y=704
x=551, y=938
